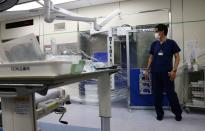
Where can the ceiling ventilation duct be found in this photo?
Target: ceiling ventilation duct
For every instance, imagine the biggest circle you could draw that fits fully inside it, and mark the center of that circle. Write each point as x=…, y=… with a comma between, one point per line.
x=6, y=4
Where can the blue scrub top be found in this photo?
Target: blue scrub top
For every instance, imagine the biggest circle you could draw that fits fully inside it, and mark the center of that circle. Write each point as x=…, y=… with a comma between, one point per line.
x=163, y=55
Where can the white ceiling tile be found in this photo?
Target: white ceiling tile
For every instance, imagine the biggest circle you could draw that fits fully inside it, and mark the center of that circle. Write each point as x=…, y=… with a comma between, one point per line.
x=75, y=4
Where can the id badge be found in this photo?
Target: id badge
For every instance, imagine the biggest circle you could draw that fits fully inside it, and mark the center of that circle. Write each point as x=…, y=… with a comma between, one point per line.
x=160, y=53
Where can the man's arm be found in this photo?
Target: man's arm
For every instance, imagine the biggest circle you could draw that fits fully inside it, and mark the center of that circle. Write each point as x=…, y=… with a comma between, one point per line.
x=149, y=62
x=148, y=67
x=176, y=62
x=172, y=74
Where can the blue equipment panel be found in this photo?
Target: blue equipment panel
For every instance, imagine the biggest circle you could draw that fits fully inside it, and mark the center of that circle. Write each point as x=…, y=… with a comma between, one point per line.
x=101, y=56
x=136, y=98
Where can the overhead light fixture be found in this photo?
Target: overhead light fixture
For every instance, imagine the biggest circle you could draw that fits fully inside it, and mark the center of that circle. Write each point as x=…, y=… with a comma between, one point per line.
x=25, y=6
x=33, y=5
x=6, y=4
x=55, y=2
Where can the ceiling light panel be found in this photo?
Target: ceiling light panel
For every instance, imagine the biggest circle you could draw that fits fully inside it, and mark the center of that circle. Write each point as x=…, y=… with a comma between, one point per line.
x=25, y=6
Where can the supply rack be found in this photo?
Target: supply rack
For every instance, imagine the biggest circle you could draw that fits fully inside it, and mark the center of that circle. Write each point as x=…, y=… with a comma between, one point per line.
x=196, y=90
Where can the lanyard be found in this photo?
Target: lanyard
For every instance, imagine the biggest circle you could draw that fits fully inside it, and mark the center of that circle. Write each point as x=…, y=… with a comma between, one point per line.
x=160, y=53
x=161, y=47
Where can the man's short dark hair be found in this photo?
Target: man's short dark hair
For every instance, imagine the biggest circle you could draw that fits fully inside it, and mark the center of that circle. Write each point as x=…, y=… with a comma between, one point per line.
x=162, y=27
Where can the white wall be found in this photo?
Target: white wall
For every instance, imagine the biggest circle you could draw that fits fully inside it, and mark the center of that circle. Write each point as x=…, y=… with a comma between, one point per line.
x=188, y=24
x=47, y=33
x=128, y=16
x=194, y=26
x=129, y=10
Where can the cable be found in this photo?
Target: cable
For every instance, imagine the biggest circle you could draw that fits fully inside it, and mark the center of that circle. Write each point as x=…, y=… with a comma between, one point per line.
x=90, y=57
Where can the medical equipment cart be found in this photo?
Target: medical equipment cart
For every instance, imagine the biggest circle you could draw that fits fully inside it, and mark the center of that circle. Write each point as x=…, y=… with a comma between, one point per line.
x=195, y=90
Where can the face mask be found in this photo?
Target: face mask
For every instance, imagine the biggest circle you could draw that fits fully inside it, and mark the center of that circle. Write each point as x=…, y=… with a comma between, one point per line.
x=156, y=35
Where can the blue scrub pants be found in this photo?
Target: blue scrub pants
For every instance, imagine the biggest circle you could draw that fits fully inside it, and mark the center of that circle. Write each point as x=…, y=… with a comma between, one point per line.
x=161, y=83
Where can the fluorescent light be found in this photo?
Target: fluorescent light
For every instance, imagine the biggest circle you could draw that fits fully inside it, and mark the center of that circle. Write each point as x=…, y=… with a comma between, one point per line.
x=35, y=5
x=59, y=1
x=25, y=6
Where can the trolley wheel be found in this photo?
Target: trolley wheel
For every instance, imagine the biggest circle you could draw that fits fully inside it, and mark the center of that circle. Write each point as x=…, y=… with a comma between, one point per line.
x=129, y=109
x=187, y=110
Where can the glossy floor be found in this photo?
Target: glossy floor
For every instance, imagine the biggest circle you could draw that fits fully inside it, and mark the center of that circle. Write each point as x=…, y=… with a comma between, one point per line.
x=123, y=120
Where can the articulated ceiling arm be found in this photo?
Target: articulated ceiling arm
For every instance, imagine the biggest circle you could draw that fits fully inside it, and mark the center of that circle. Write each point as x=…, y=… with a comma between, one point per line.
x=52, y=12
x=109, y=17
x=48, y=5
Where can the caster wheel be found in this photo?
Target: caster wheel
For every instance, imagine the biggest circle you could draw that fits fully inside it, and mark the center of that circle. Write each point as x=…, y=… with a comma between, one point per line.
x=187, y=110
x=130, y=110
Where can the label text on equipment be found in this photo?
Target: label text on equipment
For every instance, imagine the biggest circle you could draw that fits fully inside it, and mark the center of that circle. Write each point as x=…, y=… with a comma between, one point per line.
x=20, y=68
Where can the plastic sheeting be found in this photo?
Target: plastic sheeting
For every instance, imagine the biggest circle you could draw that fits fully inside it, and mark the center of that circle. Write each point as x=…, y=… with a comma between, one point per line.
x=22, y=49
x=88, y=89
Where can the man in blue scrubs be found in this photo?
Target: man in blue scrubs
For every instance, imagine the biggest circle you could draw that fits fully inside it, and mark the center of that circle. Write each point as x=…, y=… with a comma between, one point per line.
x=163, y=72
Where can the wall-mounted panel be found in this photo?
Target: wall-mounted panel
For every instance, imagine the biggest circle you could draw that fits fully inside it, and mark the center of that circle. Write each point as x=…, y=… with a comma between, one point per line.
x=60, y=38
x=20, y=31
x=49, y=28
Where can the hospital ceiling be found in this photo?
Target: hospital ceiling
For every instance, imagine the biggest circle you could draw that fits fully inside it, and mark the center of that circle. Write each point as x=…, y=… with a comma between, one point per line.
x=6, y=16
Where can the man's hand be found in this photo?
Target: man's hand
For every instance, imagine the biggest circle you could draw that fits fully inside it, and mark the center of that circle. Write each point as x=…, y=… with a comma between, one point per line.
x=172, y=75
